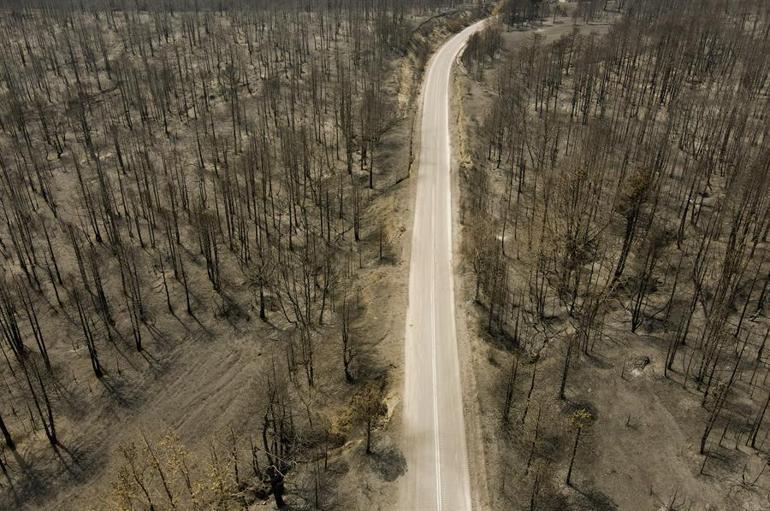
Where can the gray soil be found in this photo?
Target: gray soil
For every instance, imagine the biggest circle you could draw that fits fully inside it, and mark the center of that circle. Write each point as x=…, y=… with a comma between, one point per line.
x=641, y=450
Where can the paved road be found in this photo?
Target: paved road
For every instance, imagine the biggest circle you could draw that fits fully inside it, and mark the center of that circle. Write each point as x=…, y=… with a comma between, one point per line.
x=434, y=428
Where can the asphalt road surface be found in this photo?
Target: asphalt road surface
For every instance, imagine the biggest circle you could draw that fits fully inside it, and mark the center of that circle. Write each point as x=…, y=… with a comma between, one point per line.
x=434, y=427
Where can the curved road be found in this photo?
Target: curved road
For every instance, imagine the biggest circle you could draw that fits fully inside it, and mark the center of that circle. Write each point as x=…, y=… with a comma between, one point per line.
x=434, y=427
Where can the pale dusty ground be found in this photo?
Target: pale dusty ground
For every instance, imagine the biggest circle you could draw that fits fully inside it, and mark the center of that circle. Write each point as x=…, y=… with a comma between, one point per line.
x=642, y=449
x=203, y=379
x=466, y=318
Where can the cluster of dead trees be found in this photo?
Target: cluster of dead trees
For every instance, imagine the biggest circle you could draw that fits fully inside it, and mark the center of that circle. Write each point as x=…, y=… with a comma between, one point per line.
x=196, y=160
x=519, y=12
x=627, y=176
x=481, y=48
x=157, y=471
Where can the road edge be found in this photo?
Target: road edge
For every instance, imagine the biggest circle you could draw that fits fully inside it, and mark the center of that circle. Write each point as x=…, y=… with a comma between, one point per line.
x=471, y=408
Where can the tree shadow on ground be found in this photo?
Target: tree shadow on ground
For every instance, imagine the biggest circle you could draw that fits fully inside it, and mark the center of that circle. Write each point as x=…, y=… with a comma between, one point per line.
x=387, y=460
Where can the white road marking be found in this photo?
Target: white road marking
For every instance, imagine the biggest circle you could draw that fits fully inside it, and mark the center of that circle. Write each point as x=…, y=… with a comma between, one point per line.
x=434, y=477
